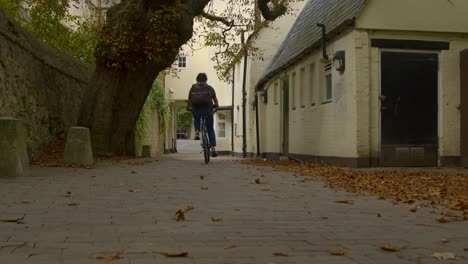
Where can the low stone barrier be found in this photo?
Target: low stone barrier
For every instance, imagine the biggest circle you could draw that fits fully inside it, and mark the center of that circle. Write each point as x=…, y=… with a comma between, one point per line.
x=146, y=151
x=78, y=149
x=14, y=159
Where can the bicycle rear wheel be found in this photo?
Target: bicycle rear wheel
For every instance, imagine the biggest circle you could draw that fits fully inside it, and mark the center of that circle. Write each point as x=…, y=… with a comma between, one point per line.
x=206, y=145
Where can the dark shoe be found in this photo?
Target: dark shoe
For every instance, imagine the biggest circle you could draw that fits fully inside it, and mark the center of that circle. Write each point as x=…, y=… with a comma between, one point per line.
x=214, y=154
x=197, y=136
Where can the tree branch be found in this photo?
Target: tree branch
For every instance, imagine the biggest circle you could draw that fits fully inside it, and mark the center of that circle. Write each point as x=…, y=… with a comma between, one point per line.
x=278, y=9
x=228, y=23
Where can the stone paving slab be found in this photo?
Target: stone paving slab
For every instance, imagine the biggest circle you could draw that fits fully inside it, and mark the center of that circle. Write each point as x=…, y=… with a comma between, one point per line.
x=72, y=216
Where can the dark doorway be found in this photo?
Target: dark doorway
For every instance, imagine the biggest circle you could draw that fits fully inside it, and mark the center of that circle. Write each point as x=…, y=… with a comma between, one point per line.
x=409, y=109
x=464, y=108
x=285, y=117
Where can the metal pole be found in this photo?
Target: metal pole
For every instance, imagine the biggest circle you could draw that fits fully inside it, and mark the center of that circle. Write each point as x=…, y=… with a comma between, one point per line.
x=244, y=107
x=257, y=125
x=232, y=110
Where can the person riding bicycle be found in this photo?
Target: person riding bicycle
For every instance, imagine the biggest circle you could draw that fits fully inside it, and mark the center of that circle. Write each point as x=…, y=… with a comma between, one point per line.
x=202, y=101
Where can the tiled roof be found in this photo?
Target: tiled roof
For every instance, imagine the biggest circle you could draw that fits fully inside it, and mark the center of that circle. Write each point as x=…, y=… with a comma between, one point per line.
x=305, y=35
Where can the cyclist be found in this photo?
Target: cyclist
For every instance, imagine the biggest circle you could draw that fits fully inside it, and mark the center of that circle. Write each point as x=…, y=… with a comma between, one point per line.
x=202, y=101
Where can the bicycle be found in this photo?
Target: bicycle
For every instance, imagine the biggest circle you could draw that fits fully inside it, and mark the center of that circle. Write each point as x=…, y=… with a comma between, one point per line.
x=205, y=141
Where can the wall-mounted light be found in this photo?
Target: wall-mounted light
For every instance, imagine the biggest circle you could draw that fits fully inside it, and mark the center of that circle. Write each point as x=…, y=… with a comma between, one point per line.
x=339, y=60
x=264, y=95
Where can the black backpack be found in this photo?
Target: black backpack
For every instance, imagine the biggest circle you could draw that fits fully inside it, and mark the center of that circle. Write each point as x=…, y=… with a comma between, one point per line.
x=200, y=96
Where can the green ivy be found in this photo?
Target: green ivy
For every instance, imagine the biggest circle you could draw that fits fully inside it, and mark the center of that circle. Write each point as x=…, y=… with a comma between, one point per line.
x=156, y=101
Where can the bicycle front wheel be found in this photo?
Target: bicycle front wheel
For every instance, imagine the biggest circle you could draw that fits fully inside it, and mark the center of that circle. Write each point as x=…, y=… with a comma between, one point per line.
x=206, y=147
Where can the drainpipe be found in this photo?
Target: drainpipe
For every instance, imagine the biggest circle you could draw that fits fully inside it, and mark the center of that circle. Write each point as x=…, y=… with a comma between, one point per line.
x=324, y=40
x=257, y=125
x=244, y=102
x=232, y=110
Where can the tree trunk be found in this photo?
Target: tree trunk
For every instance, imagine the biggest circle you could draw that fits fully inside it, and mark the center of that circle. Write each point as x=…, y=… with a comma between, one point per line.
x=112, y=105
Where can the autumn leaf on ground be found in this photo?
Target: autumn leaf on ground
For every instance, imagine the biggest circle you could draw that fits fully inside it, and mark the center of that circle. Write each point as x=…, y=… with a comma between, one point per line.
x=13, y=220
x=258, y=181
x=465, y=249
x=174, y=254
x=442, y=220
x=73, y=204
x=444, y=240
x=111, y=257
x=282, y=254
x=390, y=247
x=444, y=255
x=204, y=188
x=134, y=190
x=216, y=219
x=68, y=194
x=230, y=246
x=180, y=214
x=345, y=201
x=134, y=172
x=337, y=252
x=202, y=177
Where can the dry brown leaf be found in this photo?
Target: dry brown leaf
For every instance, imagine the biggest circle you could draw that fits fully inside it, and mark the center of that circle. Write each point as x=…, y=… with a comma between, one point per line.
x=442, y=220
x=345, y=201
x=204, y=188
x=444, y=255
x=12, y=220
x=134, y=172
x=444, y=240
x=379, y=215
x=174, y=254
x=282, y=254
x=202, y=177
x=389, y=247
x=73, y=204
x=180, y=214
x=413, y=208
x=337, y=252
x=216, y=219
x=134, y=190
x=257, y=181
x=230, y=247
x=465, y=249
x=113, y=256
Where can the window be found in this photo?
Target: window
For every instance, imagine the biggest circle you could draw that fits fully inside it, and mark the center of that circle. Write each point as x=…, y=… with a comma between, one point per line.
x=302, y=87
x=181, y=61
x=275, y=93
x=221, y=126
x=312, y=84
x=327, y=82
x=293, y=91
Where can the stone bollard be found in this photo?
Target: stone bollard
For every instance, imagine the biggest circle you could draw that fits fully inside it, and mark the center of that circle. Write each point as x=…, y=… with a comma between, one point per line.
x=78, y=150
x=14, y=159
x=146, y=151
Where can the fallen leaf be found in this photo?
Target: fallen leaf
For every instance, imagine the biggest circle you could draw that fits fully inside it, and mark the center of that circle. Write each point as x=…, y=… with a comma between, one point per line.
x=337, y=252
x=257, y=181
x=111, y=257
x=180, y=214
x=202, y=177
x=345, y=201
x=13, y=220
x=281, y=254
x=389, y=247
x=444, y=255
x=230, y=246
x=379, y=215
x=442, y=220
x=444, y=240
x=68, y=194
x=216, y=219
x=174, y=254
x=73, y=204
x=265, y=190
x=134, y=172
x=134, y=190
x=204, y=188
x=413, y=208
x=465, y=249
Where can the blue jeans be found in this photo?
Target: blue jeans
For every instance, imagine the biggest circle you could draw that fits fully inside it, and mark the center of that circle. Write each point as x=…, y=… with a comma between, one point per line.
x=208, y=112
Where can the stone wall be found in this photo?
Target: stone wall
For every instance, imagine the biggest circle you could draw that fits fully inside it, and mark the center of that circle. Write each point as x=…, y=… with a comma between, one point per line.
x=38, y=84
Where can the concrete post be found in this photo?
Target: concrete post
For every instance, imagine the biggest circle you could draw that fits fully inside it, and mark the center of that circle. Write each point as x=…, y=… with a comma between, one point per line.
x=14, y=159
x=78, y=150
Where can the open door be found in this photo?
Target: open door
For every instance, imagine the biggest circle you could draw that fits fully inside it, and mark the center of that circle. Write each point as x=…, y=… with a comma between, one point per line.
x=285, y=117
x=464, y=108
x=409, y=120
